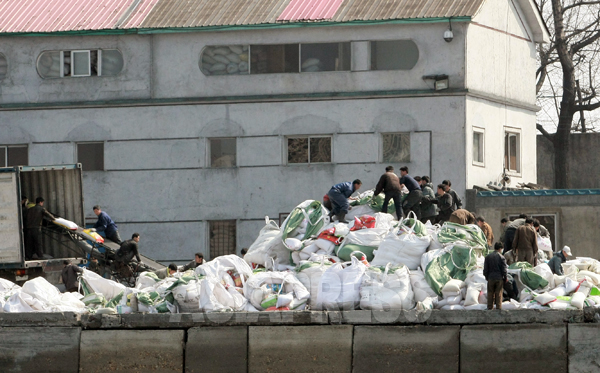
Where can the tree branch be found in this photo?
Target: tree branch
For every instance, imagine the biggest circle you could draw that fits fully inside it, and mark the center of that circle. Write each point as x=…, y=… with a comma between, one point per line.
x=588, y=107
x=583, y=43
x=544, y=132
x=582, y=3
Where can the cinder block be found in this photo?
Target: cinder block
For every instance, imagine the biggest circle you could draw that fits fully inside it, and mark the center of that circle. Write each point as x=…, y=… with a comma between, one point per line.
x=36, y=349
x=326, y=348
x=583, y=348
x=406, y=348
x=217, y=349
x=513, y=348
x=131, y=350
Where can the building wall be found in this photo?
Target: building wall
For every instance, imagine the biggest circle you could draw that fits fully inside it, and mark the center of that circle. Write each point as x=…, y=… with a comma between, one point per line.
x=577, y=217
x=495, y=119
x=167, y=65
x=500, y=53
x=23, y=84
x=582, y=161
x=157, y=181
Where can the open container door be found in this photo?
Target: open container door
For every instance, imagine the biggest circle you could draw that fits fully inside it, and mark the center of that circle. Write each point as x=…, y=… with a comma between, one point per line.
x=11, y=240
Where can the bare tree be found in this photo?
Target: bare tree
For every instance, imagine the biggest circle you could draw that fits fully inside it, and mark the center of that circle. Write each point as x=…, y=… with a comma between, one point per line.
x=568, y=63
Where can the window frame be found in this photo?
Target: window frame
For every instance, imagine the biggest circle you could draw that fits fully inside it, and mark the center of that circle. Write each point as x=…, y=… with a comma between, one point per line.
x=286, y=154
x=481, y=132
x=209, y=153
x=208, y=235
x=3, y=56
x=381, y=152
x=299, y=45
x=506, y=159
x=371, y=49
x=62, y=53
x=91, y=142
x=89, y=64
x=536, y=215
x=7, y=146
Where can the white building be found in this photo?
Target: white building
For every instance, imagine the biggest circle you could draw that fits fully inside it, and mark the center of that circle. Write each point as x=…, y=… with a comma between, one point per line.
x=171, y=151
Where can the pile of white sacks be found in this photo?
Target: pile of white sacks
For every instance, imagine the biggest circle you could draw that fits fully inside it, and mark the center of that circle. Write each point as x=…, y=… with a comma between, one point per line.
x=386, y=265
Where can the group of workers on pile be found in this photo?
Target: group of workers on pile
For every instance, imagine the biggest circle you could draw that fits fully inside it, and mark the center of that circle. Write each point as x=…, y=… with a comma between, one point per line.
x=420, y=198
x=518, y=242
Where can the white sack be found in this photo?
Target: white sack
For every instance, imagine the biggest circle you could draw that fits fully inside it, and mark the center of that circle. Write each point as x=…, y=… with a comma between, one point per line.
x=99, y=284
x=420, y=286
x=386, y=291
x=339, y=288
x=405, y=248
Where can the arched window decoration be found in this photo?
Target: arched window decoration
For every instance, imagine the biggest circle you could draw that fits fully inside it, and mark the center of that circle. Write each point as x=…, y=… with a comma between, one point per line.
x=394, y=55
x=3, y=66
x=79, y=63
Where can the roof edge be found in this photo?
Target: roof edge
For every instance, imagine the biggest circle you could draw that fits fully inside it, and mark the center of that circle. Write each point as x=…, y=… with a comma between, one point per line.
x=541, y=34
x=262, y=26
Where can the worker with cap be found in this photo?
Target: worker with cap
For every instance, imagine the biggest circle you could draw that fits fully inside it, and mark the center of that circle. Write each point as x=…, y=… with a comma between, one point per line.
x=559, y=258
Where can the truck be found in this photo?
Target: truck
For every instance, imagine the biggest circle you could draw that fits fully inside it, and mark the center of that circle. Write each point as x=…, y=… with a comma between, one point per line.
x=62, y=188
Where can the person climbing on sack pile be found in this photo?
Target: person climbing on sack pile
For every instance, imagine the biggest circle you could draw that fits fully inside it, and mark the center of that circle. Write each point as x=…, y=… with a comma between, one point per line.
x=338, y=195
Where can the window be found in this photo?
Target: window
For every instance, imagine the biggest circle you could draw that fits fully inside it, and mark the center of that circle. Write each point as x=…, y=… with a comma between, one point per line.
x=512, y=152
x=3, y=66
x=273, y=59
x=549, y=221
x=91, y=156
x=222, y=152
x=270, y=59
x=478, y=147
x=325, y=57
x=394, y=55
x=222, y=237
x=14, y=155
x=225, y=60
x=309, y=149
x=396, y=147
x=79, y=63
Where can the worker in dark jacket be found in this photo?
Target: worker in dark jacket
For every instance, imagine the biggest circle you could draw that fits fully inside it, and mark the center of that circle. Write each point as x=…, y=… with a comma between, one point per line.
x=389, y=184
x=33, y=227
x=338, y=195
x=444, y=202
x=495, y=271
x=70, y=276
x=456, y=202
x=198, y=260
x=511, y=229
x=413, y=200
x=166, y=272
x=129, y=249
x=525, y=243
x=558, y=259
x=107, y=225
x=427, y=202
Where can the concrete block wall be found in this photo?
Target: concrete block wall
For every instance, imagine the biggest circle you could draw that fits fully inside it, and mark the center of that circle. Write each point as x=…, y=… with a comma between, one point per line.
x=435, y=341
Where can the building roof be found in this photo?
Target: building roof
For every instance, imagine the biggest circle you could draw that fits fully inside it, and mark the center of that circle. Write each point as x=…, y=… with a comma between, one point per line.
x=33, y=17
x=539, y=193
x=202, y=13
x=48, y=16
x=19, y=16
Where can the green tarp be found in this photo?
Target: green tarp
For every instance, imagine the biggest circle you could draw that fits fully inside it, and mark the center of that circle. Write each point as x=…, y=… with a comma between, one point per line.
x=528, y=277
x=345, y=252
x=314, y=213
x=376, y=203
x=471, y=236
x=454, y=264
